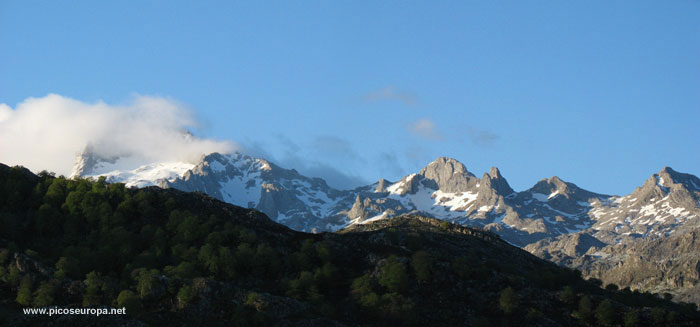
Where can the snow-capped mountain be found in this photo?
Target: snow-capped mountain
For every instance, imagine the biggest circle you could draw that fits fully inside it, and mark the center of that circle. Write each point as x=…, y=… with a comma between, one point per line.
x=647, y=240
x=286, y=196
x=444, y=189
x=90, y=164
x=666, y=201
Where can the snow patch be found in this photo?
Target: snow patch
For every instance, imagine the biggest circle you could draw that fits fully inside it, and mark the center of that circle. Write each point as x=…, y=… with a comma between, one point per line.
x=147, y=175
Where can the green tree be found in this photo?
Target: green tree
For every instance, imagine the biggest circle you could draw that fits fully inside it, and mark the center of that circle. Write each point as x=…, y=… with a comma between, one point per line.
x=244, y=258
x=327, y=278
x=393, y=275
x=397, y=307
x=93, y=283
x=414, y=242
x=362, y=290
x=585, y=309
x=605, y=313
x=24, y=294
x=422, y=264
x=508, y=302
x=44, y=295
x=568, y=295
x=129, y=300
x=361, y=285
x=631, y=318
x=266, y=261
x=611, y=287
x=13, y=276
x=185, y=296
x=67, y=267
x=226, y=263
x=658, y=316
x=323, y=252
x=147, y=282
x=301, y=288
x=4, y=255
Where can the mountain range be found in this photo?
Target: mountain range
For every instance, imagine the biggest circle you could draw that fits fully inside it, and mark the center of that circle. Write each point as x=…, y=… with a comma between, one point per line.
x=167, y=257
x=553, y=219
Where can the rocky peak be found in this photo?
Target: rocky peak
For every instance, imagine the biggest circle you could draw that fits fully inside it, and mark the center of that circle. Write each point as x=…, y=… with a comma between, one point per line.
x=450, y=175
x=554, y=185
x=496, y=181
x=682, y=190
x=494, y=173
x=87, y=162
x=443, y=166
x=382, y=184
x=358, y=209
x=656, y=186
x=668, y=177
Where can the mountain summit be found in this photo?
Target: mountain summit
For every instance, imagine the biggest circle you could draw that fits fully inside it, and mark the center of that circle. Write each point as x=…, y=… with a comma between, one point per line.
x=449, y=175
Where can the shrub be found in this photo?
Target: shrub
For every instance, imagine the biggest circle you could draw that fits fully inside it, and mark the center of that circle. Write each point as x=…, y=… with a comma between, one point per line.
x=631, y=319
x=393, y=275
x=568, y=295
x=185, y=295
x=611, y=287
x=605, y=313
x=508, y=302
x=422, y=264
x=24, y=294
x=44, y=295
x=585, y=309
x=129, y=300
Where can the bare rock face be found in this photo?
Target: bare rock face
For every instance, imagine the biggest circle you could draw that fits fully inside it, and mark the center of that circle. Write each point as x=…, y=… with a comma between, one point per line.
x=27, y=265
x=497, y=182
x=566, y=247
x=450, y=175
x=382, y=184
x=358, y=209
x=662, y=265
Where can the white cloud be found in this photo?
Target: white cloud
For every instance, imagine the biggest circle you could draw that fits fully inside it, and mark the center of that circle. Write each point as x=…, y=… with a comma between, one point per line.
x=425, y=128
x=5, y=112
x=48, y=132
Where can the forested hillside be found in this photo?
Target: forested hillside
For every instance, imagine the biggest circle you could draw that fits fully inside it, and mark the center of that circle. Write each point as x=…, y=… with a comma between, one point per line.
x=175, y=258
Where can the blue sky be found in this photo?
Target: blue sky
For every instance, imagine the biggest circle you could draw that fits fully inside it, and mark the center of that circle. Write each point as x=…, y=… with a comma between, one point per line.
x=600, y=93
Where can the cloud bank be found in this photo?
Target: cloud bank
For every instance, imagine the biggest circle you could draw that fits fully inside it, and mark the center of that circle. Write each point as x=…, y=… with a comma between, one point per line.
x=48, y=133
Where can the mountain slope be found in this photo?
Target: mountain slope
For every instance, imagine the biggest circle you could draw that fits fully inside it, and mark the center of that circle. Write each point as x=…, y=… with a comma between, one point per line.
x=645, y=240
x=176, y=258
